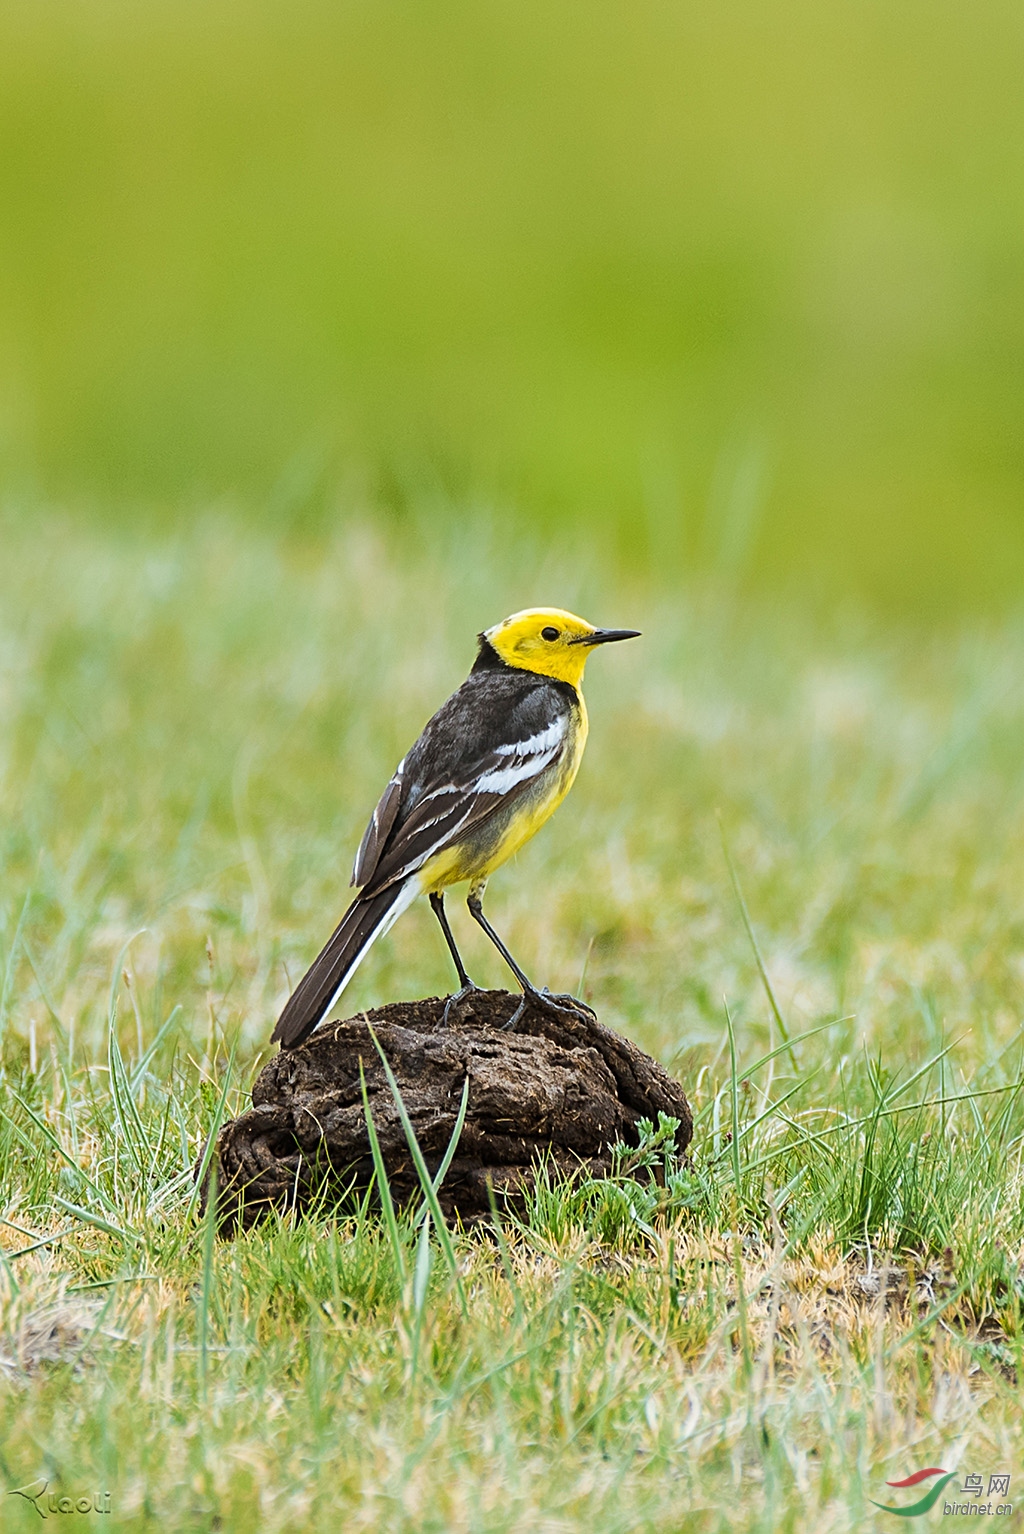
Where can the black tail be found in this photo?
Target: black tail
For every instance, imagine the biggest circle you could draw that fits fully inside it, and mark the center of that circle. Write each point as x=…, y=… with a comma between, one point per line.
x=330, y=971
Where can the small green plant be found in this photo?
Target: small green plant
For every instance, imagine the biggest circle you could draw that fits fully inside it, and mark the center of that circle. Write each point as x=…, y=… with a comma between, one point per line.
x=647, y=1185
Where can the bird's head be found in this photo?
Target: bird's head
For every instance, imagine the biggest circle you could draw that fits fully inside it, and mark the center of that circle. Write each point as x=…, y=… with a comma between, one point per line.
x=548, y=641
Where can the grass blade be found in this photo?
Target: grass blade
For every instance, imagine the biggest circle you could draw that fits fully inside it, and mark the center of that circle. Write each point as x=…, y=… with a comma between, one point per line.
x=211, y=1141
x=57, y=1146
x=94, y=1219
x=449, y=1154
x=426, y=1181
x=206, y=1288
x=383, y=1186
x=762, y=971
x=45, y=1241
x=141, y=1067
x=734, y=1145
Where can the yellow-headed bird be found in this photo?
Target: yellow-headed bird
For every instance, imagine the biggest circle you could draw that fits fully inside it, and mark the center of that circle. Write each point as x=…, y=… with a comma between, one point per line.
x=494, y=762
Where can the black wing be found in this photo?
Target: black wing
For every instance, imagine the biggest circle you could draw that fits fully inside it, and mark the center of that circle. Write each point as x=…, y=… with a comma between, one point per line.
x=482, y=750
x=377, y=832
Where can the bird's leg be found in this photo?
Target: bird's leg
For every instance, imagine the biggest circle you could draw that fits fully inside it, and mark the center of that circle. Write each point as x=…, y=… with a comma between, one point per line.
x=544, y=999
x=466, y=985
x=437, y=906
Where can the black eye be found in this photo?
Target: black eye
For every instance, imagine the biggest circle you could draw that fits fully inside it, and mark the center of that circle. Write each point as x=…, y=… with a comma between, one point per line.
x=549, y=633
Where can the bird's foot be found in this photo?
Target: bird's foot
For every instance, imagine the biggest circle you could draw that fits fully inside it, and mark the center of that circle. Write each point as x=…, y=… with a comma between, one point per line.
x=562, y=1005
x=454, y=1002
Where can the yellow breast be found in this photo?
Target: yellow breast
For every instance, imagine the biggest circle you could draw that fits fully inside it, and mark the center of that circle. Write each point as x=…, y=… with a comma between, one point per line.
x=470, y=860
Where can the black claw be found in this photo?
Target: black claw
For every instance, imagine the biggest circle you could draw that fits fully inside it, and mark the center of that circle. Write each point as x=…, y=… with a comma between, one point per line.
x=456, y=1000
x=566, y=1005
x=510, y=1026
x=563, y=1002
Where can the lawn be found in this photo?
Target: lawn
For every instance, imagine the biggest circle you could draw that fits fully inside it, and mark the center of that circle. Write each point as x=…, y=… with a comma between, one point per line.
x=828, y=1295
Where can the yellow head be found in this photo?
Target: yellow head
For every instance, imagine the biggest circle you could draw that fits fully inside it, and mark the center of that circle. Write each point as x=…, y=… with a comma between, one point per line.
x=549, y=641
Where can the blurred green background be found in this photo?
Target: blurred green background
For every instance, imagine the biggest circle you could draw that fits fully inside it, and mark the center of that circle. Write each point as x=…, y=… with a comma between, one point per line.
x=736, y=286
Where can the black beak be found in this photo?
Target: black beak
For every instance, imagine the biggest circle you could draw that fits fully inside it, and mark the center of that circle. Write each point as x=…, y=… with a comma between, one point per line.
x=606, y=636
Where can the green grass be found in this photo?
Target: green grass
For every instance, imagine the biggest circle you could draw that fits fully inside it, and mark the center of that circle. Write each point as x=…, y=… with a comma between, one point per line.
x=740, y=284
x=827, y=1296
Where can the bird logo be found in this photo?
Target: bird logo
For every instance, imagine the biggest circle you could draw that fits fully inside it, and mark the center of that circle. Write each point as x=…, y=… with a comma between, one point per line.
x=490, y=767
x=923, y=1504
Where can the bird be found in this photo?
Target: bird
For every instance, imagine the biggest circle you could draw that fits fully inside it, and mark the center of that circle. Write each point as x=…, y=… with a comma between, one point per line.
x=490, y=767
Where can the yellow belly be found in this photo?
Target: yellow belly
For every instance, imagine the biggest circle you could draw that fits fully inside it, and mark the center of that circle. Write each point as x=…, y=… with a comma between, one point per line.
x=470, y=860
